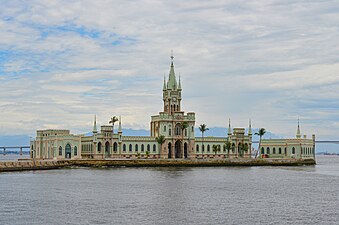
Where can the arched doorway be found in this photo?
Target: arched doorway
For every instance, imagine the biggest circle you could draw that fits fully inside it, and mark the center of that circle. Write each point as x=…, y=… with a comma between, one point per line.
x=107, y=147
x=185, y=150
x=169, y=150
x=115, y=147
x=68, y=151
x=99, y=147
x=177, y=149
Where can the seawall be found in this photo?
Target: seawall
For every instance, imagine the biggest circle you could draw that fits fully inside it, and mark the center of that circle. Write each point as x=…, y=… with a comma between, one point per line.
x=56, y=164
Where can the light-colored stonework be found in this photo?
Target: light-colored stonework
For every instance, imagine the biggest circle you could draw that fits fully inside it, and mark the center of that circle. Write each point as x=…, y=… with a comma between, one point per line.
x=105, y=144
x=298, y=147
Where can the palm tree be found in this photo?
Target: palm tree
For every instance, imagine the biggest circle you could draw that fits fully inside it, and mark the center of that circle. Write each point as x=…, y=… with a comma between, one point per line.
x=161, y=140
x=147, y=154
x=216, y=148
x=203, y=128
x=261, y=132
x=228, y=146
x=112, y=121
x=183, y=126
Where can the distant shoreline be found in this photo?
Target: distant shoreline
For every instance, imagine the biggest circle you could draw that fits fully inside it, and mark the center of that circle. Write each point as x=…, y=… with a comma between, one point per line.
x=24, y=165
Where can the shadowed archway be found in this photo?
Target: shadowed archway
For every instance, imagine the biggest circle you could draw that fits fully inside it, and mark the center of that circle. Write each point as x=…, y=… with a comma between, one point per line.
x=169, y=150
x=177, y=149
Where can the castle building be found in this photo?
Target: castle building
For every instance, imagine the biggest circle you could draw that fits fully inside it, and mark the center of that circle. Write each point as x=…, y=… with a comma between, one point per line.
x=298, y=147
x=172, y=136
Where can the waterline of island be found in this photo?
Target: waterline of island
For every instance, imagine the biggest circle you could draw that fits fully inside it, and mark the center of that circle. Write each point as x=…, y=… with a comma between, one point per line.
x=22, y=165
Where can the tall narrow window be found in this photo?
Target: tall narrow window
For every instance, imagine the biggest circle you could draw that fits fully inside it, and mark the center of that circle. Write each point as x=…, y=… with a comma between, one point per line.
x=124, y=147
x=293, y=150
x=142, y=148
x=154, y=148
x=130, y=147
x=75, y=150
x=60, y=151
x=197, y=148
x=136, y=147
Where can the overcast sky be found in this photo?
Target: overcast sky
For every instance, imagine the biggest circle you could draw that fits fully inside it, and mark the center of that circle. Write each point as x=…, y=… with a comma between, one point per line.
x=61, y=62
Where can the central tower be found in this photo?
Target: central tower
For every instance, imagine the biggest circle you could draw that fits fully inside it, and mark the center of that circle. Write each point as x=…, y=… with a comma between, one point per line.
x=172, y=92
x=172, y=123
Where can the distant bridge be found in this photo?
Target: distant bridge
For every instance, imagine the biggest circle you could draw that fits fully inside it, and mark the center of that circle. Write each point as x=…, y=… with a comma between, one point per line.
x=14, y=147
x=318, y=142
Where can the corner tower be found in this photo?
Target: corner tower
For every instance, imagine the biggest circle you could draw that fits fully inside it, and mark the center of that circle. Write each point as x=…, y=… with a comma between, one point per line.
x=172, y=92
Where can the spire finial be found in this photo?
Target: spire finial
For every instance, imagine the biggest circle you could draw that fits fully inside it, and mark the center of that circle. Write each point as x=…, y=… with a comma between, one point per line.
x=229, y=127
x=172, y=57
x=250, y=128
x=179, y=87
x=298, y=130
x=120, y=128
x=95, y=130
x=164, y=86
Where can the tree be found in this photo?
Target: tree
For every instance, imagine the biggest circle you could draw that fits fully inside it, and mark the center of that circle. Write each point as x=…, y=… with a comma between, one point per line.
x=112, y=121
x=216, y=148
x=228, y=147
x=261, y=132
x=203, y=128
x=147, y=154
x=183, y=126
x=243, y=148
x=161, y=140
x=138, y=155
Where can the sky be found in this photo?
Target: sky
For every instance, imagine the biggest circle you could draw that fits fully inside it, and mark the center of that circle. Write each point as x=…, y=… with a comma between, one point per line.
x=62, y=62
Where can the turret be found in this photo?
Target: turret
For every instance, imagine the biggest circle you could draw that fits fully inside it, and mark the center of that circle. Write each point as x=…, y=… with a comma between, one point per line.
x=298, y=136
x=172, y=92
x=179, y=86
x=95, y=130
x=164, y=86
x=120, y=130
x=229, y=128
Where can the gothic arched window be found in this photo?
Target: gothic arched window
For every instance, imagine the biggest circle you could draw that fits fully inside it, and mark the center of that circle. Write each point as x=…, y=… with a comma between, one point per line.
x=177, y=129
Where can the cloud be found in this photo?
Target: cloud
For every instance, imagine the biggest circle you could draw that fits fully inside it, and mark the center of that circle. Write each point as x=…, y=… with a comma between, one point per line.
x=63, y=61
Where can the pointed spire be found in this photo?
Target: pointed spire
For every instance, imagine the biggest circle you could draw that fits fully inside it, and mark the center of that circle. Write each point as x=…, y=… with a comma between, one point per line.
x=164, y=87
x=229, y=127
x=298, y=130
x=250, y=128
x=120, y=128
x=179, y=86
x=172, y=82
x=95, y=130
